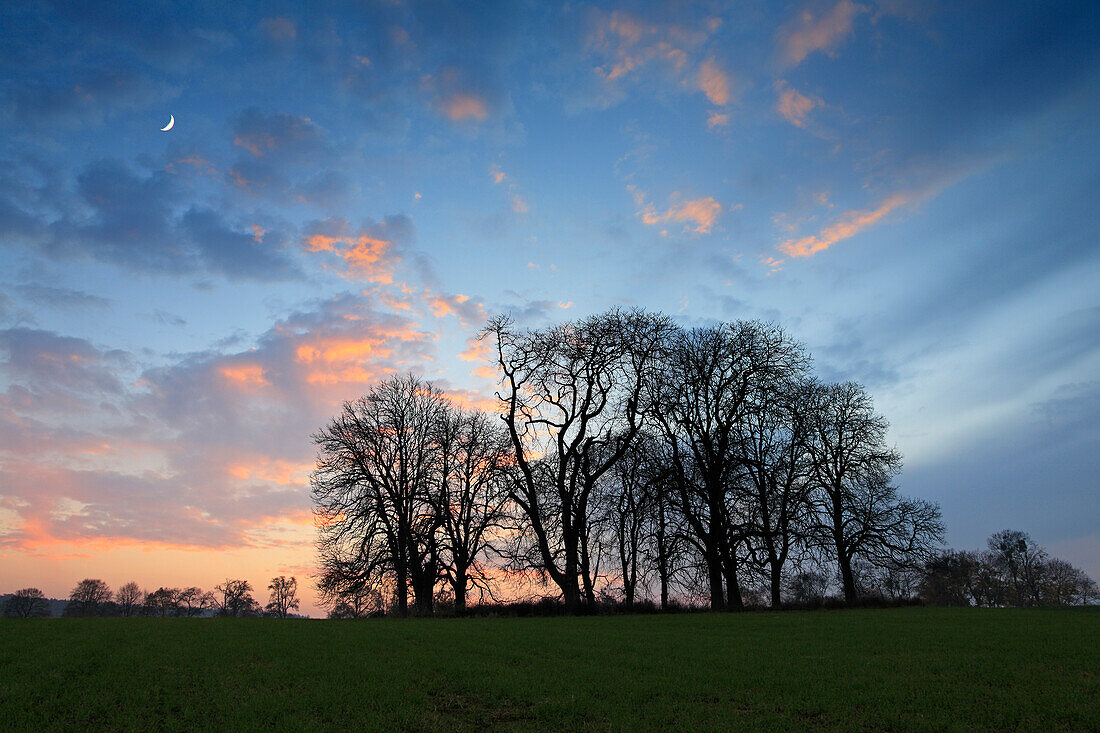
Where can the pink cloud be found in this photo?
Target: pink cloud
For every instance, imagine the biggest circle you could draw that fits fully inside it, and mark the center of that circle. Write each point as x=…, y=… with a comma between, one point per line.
x=698, y=215
x=714, y=83
x=806, y=34
x=794, y=106
x=459, y=107
x=848, y=225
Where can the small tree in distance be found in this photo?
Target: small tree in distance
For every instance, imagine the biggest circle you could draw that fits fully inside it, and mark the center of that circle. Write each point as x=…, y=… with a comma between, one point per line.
x=284, y=596
x=234, y=598
x=87, y=597
x=128, y=599
x=27, y=603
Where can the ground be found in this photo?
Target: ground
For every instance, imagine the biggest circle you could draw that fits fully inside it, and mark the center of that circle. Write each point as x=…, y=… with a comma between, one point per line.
x=907, y=668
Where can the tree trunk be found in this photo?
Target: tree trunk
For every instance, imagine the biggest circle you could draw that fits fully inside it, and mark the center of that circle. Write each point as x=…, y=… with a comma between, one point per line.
x=717, y=587
x=733, y=588
x=460, y=590
x=846, y=577
x=777, y=575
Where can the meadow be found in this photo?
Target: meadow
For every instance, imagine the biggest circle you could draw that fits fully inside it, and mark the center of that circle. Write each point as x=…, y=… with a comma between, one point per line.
x=905, y=668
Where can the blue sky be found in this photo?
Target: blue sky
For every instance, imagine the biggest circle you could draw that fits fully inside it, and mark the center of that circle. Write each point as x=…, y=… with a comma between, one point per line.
x=909, y=188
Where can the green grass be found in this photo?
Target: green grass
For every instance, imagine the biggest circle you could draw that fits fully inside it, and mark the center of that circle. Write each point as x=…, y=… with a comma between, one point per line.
x=871, y=669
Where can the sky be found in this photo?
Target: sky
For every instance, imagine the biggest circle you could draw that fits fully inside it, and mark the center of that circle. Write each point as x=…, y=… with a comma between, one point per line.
x=350, y=189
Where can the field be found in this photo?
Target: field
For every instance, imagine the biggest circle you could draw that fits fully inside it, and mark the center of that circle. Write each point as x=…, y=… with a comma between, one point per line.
x=891, y=668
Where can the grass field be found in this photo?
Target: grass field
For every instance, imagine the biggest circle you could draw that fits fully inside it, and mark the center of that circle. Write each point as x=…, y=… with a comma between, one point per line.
x=890, y=668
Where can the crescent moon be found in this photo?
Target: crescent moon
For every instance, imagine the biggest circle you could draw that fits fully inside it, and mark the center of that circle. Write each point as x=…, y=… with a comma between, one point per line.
x=171, y=121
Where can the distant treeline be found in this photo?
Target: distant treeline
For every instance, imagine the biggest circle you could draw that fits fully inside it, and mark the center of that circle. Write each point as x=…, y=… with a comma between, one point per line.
x=93, y=597
x=630, y=460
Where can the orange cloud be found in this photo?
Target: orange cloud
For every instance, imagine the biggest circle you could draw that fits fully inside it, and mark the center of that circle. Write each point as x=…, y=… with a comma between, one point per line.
x=794, y=106
x=714, y=82
x=365, y=256
x=247, y=375
x=271, y=470
x=496, y=173
x=699, y=215
x=807, y=34
x=461, y=106
x=478, y=350
x=470, y=400
x=441, y=305
x=717, y=119
x=849, y=225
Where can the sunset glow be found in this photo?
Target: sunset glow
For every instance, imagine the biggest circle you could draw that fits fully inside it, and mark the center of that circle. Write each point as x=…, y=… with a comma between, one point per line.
x=351, y=191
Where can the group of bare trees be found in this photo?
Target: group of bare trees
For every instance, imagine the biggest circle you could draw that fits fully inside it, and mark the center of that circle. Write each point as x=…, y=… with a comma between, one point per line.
x=409, y=490
x=1012, y=571
x=630, y=458
x=93, y=597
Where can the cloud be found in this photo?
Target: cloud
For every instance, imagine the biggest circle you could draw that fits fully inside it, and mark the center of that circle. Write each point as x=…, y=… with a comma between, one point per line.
x=279, y=29
x=847, y=225
x=698, y=215
x=714, y=83
x=89, y=96
x=210, y=450
x=806, y=34
x=717, y=119
x=794, y=106
x=53, y=297
x=460, y=94
x=238, y=254
x=368, y=253
x=627, y=49
x=459, y=107
x=462, y=306
x=134, y=220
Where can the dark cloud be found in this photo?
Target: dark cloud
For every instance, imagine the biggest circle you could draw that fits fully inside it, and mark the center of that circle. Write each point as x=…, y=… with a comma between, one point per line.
x=52, y=365
x=133, y=220
x=49, y=296
x=236, y=254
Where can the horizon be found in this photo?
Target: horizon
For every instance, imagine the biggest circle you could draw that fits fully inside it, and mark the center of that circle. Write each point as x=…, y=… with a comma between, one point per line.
x=907, y=189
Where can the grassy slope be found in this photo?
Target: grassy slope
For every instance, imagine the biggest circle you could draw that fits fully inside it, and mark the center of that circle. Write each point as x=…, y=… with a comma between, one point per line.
x=891, y=668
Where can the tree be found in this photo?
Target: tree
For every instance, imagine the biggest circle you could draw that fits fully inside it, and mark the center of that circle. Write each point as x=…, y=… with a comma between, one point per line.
x=27, y=603
x=702, y=394
x=129, y=599
x=859, y=512
x=1019, y=561
x=88, y=598
x=628, y=494
x=373, y=491
x=776, y=491
x=236, y=599
x=162, y=602
x=475, y=459
x=1065, y=585
x=284, y=596
x=571, y=398
x=192, y=601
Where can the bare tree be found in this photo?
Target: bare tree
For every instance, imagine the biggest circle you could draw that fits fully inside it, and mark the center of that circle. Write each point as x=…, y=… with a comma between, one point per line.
x=572, y=401
x=284, y=596
x=628, y=495
x=1019, y=560
x=129, y=598
x=235, y=599
x=475, y=483
x=88, y=598
x=162, y=602
x=702, y=394
x=776, y=482
x=193, y=601
x=858, y=508
x=373, y=489
x=27, y=603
